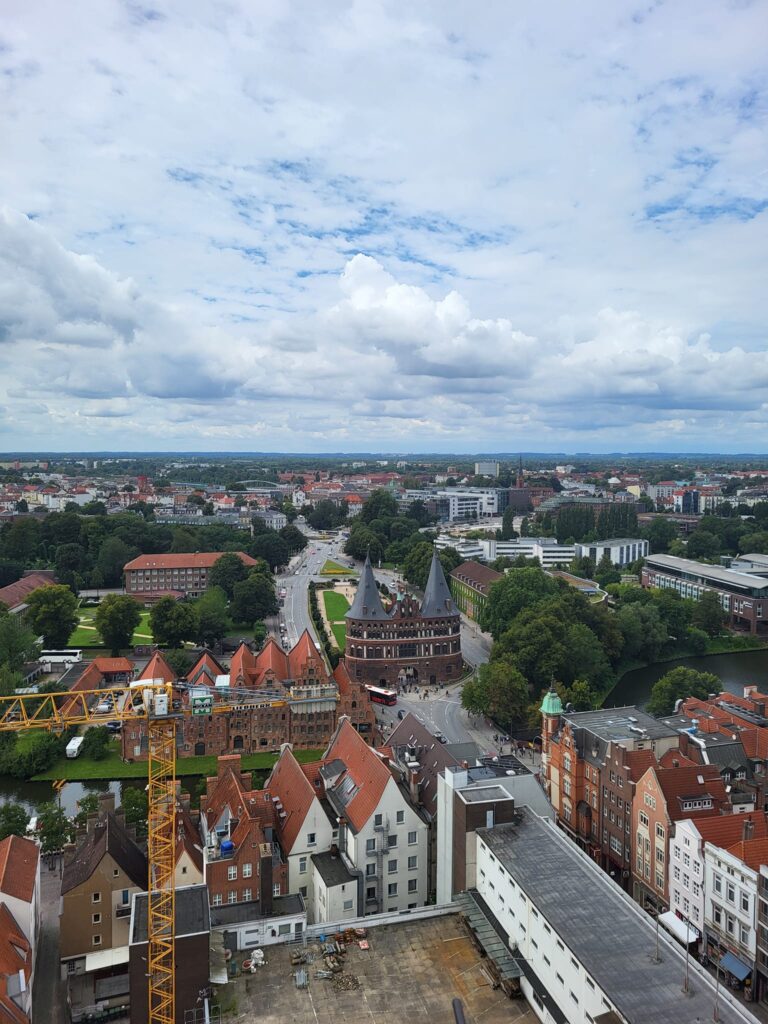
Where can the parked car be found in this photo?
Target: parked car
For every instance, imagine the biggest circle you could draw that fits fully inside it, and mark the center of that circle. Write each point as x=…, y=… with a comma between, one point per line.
x=401, y=713
x=440, y=738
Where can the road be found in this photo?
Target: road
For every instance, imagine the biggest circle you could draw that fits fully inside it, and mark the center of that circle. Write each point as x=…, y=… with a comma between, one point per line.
x=49, y=1001
x=440, y=710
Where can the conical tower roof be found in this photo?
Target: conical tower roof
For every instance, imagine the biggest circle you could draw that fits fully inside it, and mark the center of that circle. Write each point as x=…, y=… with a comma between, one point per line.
x=437, y=597
x=551, y=705
x=367, y=603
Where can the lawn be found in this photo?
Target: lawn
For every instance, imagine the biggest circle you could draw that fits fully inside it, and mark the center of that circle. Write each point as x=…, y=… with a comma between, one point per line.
x=339, y=631
x=86, y=634
x=112, y=767
x=336, y=605
x=332, y=568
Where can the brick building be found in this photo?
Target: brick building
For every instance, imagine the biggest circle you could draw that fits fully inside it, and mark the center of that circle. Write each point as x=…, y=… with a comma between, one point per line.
x=419, y=643
x=305, y=713
x=150, y=577
x=470, y=584
x=664, y=796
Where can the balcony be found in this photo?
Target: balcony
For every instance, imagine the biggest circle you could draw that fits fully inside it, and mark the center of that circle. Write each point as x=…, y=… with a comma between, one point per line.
x=123, y=911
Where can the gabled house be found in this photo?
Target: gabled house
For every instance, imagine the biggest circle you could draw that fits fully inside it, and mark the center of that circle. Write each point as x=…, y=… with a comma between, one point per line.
x=101, y=875
x=20, y=884
x=15, y=970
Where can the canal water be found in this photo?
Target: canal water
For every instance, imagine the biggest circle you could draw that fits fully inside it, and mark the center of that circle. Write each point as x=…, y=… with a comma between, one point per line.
x=32, y=794
x=734, y=670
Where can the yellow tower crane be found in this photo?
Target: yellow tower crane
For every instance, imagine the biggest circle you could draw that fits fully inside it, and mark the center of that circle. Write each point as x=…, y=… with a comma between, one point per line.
x=151, y=701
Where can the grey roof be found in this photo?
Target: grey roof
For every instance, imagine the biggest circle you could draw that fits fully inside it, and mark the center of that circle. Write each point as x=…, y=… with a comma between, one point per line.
x=604, y=928
x=107, y=836
x=437, y=602
x=333, y=870
x=617, y=724
x=741, y=580
x=239, y=913
x=367, y=603
x=468, y=751
x=192, y=913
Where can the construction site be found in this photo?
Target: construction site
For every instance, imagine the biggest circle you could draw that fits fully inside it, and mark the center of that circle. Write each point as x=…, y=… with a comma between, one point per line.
x=410, y=971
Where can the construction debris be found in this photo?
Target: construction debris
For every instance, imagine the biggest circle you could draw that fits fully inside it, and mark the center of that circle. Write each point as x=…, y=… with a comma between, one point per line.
x=345, y=983
x=302, y=978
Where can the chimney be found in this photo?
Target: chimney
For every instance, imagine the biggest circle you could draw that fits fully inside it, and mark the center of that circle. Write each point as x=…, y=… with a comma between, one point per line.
x=413, y=787
x=749, y=828
x=265, y=875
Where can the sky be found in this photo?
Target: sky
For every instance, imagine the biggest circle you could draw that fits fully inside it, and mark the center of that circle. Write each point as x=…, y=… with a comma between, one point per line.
x=347, y=225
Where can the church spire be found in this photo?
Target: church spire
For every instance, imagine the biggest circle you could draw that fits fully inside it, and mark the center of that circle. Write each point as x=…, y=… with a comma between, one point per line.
x=367, y=603
x=437, y=596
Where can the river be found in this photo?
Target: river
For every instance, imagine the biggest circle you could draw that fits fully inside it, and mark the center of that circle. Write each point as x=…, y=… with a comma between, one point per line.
x=32, y=794
x=735, y=670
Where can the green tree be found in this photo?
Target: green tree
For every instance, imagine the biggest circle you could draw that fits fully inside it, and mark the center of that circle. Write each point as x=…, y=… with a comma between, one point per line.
x=96, y=741
x=52, y=613
x=13, y=820
x=55, y=828
x=180, y=661
x=88, y=804
x=135, y=807
x=703, y=545
x=21, y=540
x=212, y=617
x=660, y=535
x=419, y=559
x=113, y=555
x=294, y=538
x=697, y=640
x=606, y=572
x=708, y=614
x=17, y=641
x=173, y=621
x=272, y=548
x=508, y=531
x=116, y=619
x=363, y=541
x=254, y=599
x=643, y=630
x=10, y=572
x=259, y=634
x=520, y=588
x=678, y=684
x=500, y=692
x=226, y=572
x=380, y=505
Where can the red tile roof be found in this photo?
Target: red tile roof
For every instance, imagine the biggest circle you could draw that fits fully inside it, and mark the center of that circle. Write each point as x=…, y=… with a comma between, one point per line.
x=232, y=789
x=17, y=593
x=755, y=742
x=295, y=792
x=753, y=852
x=678, y=784
x=158, y=668
x=726, y=829
x=19, y=859
x=674, y=758
x=368, y=772
x=302, y=654
x=193, y=560
x=207, y=665
x=15, y=956
x=342, y=677
x=106, y=665
x=638, y=762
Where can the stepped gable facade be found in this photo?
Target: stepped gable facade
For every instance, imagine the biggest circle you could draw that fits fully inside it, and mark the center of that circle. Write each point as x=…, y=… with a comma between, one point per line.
x=409, y=642
x=310, y=704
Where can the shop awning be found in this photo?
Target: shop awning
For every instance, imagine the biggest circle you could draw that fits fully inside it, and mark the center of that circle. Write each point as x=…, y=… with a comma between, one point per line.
x=683, y=932
x=734, y=966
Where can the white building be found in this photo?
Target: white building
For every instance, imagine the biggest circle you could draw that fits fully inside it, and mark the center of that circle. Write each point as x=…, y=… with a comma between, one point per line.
x=469, y=503
x=487, y=468
x=621, y=551
x=731, y=880
x=20, y=894
x=578, y=943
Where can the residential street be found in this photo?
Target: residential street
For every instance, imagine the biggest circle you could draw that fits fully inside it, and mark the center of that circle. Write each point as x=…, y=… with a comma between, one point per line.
x=49, y=992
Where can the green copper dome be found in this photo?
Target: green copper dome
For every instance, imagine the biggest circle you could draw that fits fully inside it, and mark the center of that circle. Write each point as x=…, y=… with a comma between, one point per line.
x=551, y=705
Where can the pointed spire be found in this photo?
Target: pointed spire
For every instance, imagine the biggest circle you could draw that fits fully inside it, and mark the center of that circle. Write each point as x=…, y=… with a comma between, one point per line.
x=367, y=603
x=437, y=596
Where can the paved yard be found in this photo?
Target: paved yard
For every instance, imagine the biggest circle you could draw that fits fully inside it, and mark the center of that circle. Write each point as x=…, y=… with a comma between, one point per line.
x=412, y=972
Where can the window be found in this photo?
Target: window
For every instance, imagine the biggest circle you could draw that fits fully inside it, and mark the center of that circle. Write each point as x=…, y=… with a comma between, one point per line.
x=547, y=961
x=717, y=883
x=349, y=904
x=391, y=841
x=303, y=891
x=392, y=867
x=744, y=935
x=302, y=865
x=232, y=873
x=377, y=819
x=392, y=889
x=246, y=894
x=217, y=900
x=370, y=870
x=717, y=914
x=115, y=872
x=730, y=924
x=311, y=839
x=677, y=872
x=276, y=889
x=644, y=819
x=96, y=940
x=232, y=897
x=745, y=902
x=412, y=863
x=413, y=884
x=730, y=892
x=95, y=897
x=247, y=870
x=95, y=918
x=573, y=997
x=559, y=978
x=660, y=831
x=649, y=801
x=370, y=846
x=400, y=817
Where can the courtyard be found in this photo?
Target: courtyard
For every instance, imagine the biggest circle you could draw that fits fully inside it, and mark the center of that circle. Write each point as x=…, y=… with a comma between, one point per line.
x=412, y=972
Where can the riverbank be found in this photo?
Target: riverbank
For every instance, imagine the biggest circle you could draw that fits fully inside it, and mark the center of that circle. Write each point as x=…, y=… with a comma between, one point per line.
x=113, y=769
x=716, y=646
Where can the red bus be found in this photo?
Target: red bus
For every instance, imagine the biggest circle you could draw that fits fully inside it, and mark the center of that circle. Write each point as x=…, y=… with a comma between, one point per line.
x=380, y=696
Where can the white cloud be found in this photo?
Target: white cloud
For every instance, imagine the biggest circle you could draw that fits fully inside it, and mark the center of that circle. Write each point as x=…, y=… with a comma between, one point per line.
x=338, y=225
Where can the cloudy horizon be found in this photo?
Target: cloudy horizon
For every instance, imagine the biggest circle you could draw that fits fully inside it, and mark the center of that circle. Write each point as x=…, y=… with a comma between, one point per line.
x=364, y=226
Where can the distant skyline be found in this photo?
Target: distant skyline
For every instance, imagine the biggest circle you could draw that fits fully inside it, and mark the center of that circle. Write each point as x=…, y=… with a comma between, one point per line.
x=360, y=225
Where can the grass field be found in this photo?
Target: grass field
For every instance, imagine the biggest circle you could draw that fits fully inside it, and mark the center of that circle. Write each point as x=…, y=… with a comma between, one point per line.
x=339, y=631
x=78, y=769
x=86, y=634
x=336, y=605
x=332, y=568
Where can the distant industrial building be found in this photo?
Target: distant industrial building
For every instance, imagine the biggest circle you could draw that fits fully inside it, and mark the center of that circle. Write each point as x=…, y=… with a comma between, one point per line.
x=487, y=469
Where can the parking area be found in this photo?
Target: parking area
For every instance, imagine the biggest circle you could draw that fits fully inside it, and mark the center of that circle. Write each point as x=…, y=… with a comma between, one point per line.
x=412, y=972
